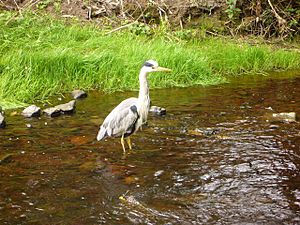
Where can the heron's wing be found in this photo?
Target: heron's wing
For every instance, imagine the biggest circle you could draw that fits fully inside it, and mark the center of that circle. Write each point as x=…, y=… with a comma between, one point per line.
x=121, y=120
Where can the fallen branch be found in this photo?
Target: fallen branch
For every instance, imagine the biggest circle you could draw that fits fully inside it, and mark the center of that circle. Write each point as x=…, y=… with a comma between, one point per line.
x=127, y=25
x=122, y=27
x=280, y=20
x=18, y=7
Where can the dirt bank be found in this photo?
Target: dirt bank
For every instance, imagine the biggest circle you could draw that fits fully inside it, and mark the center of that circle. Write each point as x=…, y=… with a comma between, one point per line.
x=267, y=18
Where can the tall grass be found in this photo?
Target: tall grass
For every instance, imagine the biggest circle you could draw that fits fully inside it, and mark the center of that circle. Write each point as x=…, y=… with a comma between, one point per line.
x=42, y=56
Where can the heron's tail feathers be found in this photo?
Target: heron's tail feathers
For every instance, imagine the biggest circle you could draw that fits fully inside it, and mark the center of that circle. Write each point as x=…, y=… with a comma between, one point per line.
x=101, y=134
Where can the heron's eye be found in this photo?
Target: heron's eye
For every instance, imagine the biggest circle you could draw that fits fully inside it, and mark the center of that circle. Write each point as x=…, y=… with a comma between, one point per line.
x=153, y=67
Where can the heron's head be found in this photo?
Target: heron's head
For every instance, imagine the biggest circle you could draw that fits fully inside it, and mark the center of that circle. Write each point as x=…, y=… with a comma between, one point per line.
x=152, y=66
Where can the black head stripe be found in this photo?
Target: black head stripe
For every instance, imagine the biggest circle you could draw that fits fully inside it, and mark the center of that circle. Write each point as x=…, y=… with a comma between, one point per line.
x=148, y=64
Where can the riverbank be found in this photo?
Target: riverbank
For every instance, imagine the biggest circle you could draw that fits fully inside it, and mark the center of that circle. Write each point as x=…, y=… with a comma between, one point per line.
x=42, y=56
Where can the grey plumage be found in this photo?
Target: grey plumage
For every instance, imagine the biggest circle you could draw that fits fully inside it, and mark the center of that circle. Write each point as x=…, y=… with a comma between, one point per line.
x=121, y=120
x=132, y=113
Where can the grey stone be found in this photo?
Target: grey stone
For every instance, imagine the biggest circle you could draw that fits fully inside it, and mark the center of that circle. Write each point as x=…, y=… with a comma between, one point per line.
x=32, y=111
x=158, y=110
x=67, y=108
x=183, y=130
x=52, y=112
x=78, y=94
x=273, y=126
x=158, y=173
x=207, y=131
x=2, y=121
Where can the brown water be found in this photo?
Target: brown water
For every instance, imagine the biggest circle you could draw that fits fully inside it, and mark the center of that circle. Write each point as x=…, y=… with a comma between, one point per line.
x=215, y=158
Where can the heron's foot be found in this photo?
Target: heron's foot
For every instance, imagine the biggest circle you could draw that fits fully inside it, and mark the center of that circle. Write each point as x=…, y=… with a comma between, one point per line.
x=123, y=144
x=129, y=143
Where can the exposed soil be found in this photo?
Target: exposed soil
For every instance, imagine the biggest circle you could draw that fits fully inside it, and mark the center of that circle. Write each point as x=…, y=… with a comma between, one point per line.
x=260, y=17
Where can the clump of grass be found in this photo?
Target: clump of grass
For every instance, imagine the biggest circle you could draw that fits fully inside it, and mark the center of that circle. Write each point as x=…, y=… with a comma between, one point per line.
x=40, y=57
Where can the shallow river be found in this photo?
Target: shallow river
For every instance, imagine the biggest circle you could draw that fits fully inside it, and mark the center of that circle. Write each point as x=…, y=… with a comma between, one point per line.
x=217, y=157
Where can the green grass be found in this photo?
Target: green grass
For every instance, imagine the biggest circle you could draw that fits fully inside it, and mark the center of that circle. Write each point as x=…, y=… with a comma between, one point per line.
x=40, y=57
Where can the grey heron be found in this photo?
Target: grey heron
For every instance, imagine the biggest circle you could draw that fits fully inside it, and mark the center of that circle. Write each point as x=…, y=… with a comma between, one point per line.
x=125, y=119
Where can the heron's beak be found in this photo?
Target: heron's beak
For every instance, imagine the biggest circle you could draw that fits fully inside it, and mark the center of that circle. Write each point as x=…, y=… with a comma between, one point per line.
x=162, y=69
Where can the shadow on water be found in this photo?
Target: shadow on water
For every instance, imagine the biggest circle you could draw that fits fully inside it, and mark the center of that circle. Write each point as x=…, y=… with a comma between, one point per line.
x=216, y=157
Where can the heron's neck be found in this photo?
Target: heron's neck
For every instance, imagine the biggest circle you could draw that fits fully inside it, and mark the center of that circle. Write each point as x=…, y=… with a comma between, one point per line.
x=144, y=87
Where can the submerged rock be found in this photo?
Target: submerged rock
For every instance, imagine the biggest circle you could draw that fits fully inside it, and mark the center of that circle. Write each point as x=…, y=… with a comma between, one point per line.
x=158, y=110
x=273, y=126
x=32, y=111
x=76, y=94
x=2, y=121
x=131, y=180
x=6, y=158
x=93, y=166
x=79, y=140
x=183, y=130
x=52, y=112
x=205, y=131
x=67, y=108
x=280, y=117
x=14, y=113
x=285, y=116
x=158, y=173
x=130, y=200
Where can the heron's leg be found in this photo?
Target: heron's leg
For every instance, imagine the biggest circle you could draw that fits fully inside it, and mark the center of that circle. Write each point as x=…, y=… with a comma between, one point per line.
x=129, y=142
x=123, y=143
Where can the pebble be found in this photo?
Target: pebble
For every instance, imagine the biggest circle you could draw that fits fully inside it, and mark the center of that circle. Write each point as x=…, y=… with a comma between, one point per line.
x=67, y=108
x=183, y=130
x=158, y=110
x=77, y=94
x=31, y=111
x=2, y=121
x=273, y=126
x=52, y=112
x=179, y=139
x=158, y=173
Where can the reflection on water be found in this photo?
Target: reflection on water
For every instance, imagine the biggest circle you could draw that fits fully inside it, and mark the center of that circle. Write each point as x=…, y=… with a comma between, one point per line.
x=216, y=157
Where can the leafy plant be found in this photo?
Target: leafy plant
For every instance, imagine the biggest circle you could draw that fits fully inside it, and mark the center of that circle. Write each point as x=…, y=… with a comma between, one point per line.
x=140, y=29
x=184, y=34
x=44, y=4
x=232, y=11
x=57, y=6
